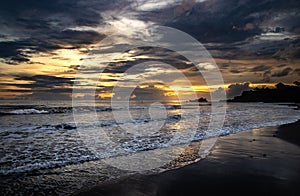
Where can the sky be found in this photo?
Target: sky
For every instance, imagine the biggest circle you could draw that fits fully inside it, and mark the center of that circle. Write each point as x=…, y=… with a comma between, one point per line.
x=43, y=45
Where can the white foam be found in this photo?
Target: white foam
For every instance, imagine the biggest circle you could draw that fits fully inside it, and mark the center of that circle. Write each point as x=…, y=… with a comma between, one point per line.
x=26, y=111
x=59, y=142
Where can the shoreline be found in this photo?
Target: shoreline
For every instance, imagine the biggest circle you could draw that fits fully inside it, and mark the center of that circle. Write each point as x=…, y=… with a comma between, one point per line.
x=258, y=161
x=236, y=156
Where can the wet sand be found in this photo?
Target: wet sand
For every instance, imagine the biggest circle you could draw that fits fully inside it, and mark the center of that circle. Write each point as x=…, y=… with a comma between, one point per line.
x=290, y=132
x=256, y=162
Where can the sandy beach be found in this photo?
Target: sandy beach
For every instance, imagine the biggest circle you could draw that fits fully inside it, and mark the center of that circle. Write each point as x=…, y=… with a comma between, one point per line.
x=256, y=162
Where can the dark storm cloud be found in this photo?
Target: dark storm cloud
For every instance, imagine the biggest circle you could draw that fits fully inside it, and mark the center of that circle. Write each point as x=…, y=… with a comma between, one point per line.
x=45, y=87
x=283, y=72
x=229, y=20
x=222, y=21
x=267, y=76
x=146, y=54
x=237, y=26
x=38, y=14
x=224, y=65
x=76, y=38
x=260, y=68
x=11, y=52
x=282, y=65
x=235, y=71
x=14, y=90
x=230, y=29
x=297, y=71
x=56, y=91
x=41, y=26
x=41, y=87
x=44, y=81
x=73, y=69
x=15, y=52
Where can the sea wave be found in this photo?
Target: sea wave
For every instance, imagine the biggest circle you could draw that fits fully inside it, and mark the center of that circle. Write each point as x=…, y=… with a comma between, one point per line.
x=80, y=153
x=24, y=111
x=57, y=143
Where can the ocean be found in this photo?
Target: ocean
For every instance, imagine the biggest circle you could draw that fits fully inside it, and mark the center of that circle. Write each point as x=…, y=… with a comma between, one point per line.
x=42, y=147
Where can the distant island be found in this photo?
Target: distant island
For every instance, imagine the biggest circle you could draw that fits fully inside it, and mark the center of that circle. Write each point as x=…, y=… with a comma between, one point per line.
x=282, y=93
x=200, y=100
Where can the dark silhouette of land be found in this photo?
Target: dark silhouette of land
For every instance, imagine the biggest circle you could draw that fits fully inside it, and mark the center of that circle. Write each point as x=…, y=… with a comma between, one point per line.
x=282, y=93
x=200, y=100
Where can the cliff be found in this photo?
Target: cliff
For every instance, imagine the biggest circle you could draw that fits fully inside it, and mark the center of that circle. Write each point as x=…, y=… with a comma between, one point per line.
x=282, y=93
